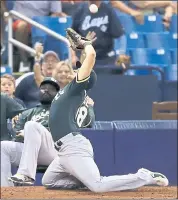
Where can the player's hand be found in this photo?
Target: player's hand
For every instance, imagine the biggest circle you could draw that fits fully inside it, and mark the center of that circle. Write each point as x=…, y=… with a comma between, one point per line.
x=15, y=119
x=91, y=36
x=39, y=50
x=138, y=15
x=20, y=134
x=89, y=101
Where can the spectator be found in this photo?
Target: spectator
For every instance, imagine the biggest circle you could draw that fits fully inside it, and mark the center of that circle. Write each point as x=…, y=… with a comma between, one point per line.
x=166, y=8
x=69, y=7
x=27, y=89
x=8, y=87
x=22, y=28
x=137, y=14
x=106, y=27
x=9, y=109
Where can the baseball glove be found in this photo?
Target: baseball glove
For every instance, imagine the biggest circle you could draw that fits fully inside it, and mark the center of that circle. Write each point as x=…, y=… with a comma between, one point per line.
x=123, y=59
x=77, y=41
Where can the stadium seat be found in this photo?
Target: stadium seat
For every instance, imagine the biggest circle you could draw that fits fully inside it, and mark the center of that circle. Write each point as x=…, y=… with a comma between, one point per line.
x=128, y=23
x=58, y=25
x=171, y=72
x=150, y=57
x=173, y=26
x=159, y=57
x=135, y=40
x=157, y=40
x=174, y=56
x=139, y=57
x=9, y=4
x=6, y=70
x=152, y=23
x=173, y=40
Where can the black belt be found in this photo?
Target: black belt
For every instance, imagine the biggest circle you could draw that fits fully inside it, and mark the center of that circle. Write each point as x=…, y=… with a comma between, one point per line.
x=58, y=143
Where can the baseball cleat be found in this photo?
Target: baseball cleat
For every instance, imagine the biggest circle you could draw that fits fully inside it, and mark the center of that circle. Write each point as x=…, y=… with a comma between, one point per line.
x=21, y=180
x=158, y=178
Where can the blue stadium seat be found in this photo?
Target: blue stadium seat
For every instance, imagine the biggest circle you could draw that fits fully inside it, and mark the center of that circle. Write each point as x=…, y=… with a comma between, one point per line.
x=174, y=56
x=159, y=57
x=139, y=57
x=9, y=4
x=6, y=70
x=171, y=72
x=157, y=40
x=128, y=23
x=173, y=26
x=135, y=40
x=150, y=57
x=58, y=25
x=173, y=40
x=152, y=23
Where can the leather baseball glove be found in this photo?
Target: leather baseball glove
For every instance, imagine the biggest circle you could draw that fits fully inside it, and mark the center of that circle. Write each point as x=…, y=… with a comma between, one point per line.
x=77, y=41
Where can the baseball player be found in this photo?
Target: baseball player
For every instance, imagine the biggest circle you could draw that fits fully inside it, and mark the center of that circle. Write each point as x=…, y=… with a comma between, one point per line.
x=38, y=147
x=75, y=164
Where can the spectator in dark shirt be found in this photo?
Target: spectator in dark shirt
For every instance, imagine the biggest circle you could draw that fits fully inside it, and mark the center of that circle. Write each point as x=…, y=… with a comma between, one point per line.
x=106, y=26
x=27, y=89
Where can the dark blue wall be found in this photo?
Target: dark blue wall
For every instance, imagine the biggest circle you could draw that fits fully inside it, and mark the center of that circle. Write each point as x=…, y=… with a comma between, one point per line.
x=128, y=97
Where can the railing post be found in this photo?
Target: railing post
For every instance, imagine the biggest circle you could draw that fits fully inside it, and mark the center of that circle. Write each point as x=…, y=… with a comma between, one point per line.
x=10, y=45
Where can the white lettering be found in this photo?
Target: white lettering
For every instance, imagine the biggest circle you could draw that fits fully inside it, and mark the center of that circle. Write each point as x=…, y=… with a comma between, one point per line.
x=95, y=22
x=40, y=116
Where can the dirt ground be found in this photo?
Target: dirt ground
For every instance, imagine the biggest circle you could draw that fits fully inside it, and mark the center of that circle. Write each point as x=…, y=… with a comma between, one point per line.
x=42, y=193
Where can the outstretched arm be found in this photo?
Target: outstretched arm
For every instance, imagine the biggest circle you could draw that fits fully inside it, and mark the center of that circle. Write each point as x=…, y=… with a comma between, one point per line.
x=37, y=66
x=88, y=63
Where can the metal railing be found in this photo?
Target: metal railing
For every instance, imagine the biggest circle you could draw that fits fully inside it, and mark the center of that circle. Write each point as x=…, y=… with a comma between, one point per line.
x=12, y=41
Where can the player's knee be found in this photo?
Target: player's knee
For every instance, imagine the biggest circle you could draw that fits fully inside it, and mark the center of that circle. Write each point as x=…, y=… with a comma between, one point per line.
x=46, y=182
x=30, y=125
x=5, y=146
x=95, y=188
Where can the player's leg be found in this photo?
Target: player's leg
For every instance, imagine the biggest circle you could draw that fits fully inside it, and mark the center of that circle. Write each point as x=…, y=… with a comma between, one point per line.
x=38, y=149
x=56, y=177
x=85, y=170
x=10, y=155
x=76, y=158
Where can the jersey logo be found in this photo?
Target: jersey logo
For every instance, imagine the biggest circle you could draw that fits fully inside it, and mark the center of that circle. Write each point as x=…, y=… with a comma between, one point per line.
x=40, y=116
x=95, y=22
x=58, y=95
